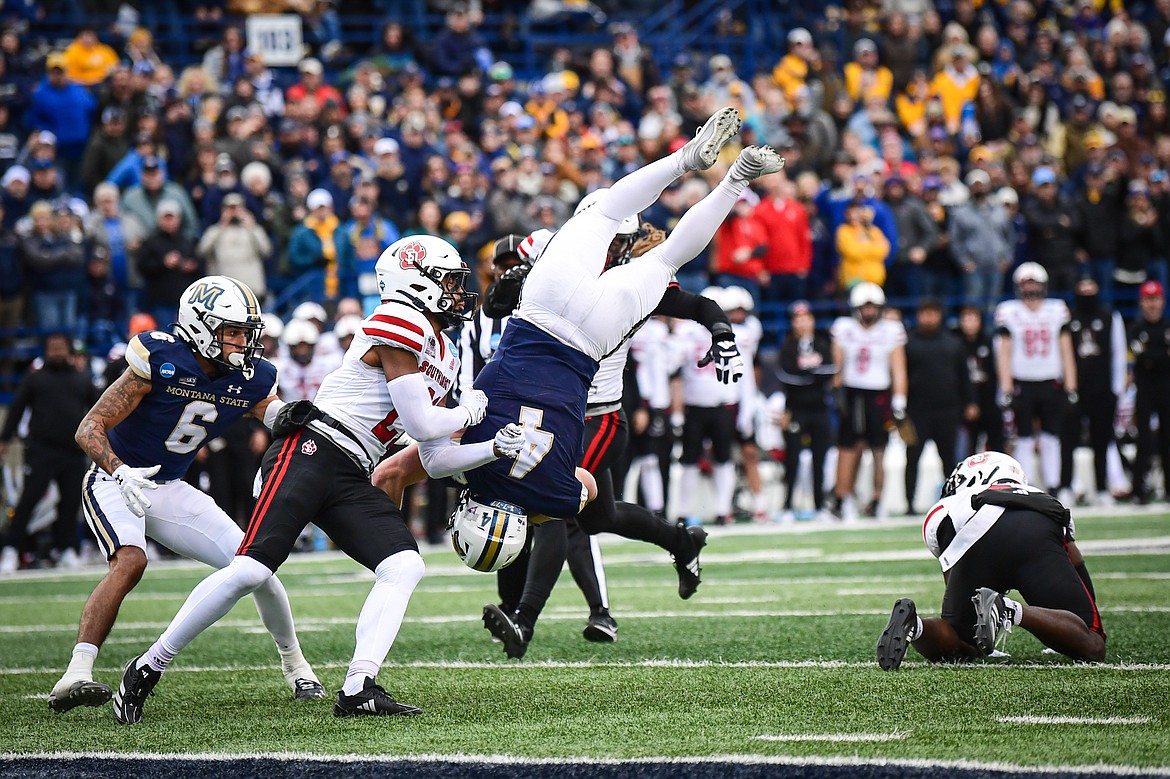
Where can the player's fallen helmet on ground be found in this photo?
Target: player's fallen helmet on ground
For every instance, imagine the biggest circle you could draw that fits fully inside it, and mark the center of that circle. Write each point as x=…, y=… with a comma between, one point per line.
x=982, y=470
x=1034, y=272
x=621, y=248
x=207, y=306
x=427, y=273
x=488, y=535
x=863, y=293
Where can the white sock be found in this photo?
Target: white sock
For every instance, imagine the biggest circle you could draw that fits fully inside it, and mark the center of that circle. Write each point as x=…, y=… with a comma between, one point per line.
x=159, y=656
x=687, y=483
x=276, y=614
x=1017, y=609
x=81, y=664
x=650, y=481
x=724, y=476
x=381, y=616
x=917, y=629
x=355, y=677
x=1026, y=456
x=1050, y=458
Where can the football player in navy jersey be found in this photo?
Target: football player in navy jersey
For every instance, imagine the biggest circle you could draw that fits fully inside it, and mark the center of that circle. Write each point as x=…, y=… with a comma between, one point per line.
x=143, y=434
x=392, y=383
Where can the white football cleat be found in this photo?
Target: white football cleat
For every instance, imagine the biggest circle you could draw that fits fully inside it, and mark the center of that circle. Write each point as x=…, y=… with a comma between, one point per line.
x=756, y=161
x=700, y=152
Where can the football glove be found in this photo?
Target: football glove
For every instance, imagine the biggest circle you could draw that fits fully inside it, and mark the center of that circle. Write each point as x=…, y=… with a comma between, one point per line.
x=509, y=441
x=133, y=482
x=725, y=354
x=898, y=408
x=1004, y=400
x=474, y=402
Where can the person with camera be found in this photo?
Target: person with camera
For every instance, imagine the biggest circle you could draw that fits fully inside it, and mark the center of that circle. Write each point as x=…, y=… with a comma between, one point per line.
x=236, y=246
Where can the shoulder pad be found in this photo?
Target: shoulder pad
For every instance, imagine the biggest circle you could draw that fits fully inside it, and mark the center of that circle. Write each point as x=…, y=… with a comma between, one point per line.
x=934, y=518
x=399, y=326
x=143, y=345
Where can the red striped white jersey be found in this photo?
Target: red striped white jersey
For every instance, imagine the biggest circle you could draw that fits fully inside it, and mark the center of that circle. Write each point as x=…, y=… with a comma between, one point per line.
x=866, y=351
x=701, y=386
x=302, y=382
x=1035, y=337
x=356, y=395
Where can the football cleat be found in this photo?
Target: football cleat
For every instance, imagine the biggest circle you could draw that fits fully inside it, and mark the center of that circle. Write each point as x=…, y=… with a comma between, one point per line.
x=687, y=563
x=700, y=152
x=83, y=692
x=899, y=632
x=309, y=690
x=507, y=630
x=756, y=161
x=601, y=627
x=371, y=701
x=137, y=683
x=993, y=619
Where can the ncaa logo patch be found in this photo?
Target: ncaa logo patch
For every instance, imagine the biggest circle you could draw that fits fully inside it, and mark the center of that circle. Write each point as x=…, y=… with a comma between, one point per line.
x=309, y=447
x=166, y=370
x=411, y=254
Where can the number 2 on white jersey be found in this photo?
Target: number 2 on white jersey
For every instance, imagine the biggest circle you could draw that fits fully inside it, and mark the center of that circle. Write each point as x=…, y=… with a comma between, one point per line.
x=539, y=444
x=188, y=435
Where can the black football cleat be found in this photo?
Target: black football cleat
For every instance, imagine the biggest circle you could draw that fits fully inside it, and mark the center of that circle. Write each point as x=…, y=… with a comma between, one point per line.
x=894, y=640
x=372, y=701
x=687, y=562
x=507, y=630
x=309, y=690
x=993, y=619
x=137, y=684
x=80, y=693
x=601, y=627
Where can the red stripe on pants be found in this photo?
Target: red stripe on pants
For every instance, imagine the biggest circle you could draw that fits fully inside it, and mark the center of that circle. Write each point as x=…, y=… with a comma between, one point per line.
x=278, y=470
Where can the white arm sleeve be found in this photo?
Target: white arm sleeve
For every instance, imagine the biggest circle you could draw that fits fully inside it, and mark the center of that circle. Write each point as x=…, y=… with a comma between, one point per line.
x=443, y=457
x=274, y=407
x=421, y=420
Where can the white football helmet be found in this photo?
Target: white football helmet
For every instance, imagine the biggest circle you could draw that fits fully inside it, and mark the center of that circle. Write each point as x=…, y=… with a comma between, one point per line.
x=207, y=306
x=865, y=292
x=1031, y=271
x=427, y=273
x=622, y=245
x=301, y=331
x=488, y=536
x=737, y=297
x=980, y=471
x=347, y=326
x=717, y=294
x=273, y=326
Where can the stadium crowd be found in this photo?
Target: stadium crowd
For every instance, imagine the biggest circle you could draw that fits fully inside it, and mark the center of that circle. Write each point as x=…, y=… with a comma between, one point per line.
x=938, y=154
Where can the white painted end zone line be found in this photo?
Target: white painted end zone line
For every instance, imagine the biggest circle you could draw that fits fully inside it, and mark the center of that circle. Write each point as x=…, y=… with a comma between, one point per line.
x=837, y=737
x=1032, y=719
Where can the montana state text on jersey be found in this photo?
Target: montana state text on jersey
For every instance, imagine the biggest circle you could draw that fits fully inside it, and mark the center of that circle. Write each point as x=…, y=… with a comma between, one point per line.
x=183, y=400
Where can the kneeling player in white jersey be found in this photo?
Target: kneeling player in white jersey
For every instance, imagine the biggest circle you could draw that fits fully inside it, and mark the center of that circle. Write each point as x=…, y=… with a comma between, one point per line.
x=194, y=386
x=992, y=533
x=391, y=383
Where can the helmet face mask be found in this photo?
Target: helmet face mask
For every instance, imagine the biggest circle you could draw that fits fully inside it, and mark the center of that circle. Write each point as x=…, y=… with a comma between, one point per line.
x=488, y=535
x=211, y=306
x=866, y=294
x=1031, y=281
x=621, y=249
x=427, y=273
x=980, y=471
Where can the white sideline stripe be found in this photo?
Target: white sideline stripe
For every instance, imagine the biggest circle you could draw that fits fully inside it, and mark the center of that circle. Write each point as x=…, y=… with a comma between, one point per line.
x=468, y=665
x=837, y=737
x=746, y=759
x=1032, y=719
x=556, y=615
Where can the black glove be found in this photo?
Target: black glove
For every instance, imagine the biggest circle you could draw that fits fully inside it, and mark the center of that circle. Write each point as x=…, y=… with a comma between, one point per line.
x=724, y=353
x=502, y=297
x=292, y=417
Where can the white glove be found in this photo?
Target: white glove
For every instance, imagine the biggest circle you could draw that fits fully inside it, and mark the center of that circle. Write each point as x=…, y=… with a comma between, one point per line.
x=509, y=441
x=474, y=402
x=132, y=482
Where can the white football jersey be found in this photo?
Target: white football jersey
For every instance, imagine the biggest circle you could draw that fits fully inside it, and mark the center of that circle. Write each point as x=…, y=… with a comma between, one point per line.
x=748, y=335
x=301, y=382
x=701, y=387
x=356, y=395
x=1035, y=337
x=655, y=362
x=866, y=351
x=608, y=381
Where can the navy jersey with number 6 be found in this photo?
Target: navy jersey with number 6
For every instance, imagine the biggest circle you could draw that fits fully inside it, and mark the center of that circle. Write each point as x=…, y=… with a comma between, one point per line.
x=184, y=408
x=535, y=380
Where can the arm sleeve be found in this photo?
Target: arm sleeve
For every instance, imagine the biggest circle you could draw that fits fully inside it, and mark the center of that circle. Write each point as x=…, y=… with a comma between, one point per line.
x=443, y=457
x=421, y=420
x=679, y=303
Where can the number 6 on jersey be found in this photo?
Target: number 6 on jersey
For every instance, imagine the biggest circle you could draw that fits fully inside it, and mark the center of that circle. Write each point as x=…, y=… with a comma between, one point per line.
x=540, y=442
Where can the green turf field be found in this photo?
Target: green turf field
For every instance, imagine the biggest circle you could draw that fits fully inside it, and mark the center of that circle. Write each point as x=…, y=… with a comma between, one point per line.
x=773, y=656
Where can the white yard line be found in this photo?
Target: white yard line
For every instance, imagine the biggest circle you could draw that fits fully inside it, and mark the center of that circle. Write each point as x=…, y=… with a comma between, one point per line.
x=1032, y=719
x=837, y=737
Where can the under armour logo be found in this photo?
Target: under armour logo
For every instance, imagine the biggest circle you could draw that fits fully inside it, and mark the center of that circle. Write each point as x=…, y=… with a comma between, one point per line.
x=235, y=389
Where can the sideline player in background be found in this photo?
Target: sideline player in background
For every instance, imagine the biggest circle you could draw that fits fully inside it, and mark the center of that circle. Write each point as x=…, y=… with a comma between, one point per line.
x=992, y=533
x=391, y=383
x=1037, y=370
x=195, y=386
